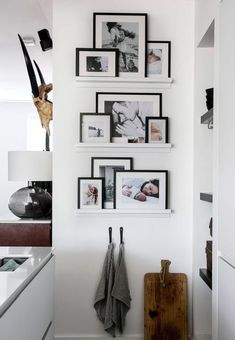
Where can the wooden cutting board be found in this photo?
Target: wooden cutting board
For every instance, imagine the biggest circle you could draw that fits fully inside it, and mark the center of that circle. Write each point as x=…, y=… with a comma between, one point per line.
x=165, y=305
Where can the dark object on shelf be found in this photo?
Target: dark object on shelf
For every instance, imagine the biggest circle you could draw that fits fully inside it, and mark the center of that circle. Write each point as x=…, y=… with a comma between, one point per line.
x=206, y=277
x=206, y=197
x=35, y=233
x=31, y=202
x=209, y=98
x=211, y=226
x=207, y=118
x=45, y=39
x=209, y=255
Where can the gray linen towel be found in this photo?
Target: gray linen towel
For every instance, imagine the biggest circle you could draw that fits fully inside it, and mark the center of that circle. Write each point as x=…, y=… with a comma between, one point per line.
x=103, y=299
x=121, y=292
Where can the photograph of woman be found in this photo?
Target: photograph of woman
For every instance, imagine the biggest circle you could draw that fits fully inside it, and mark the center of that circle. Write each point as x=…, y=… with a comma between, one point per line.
x=124, y=36
x=90, y=195
x=129, y=117
x=141, y=189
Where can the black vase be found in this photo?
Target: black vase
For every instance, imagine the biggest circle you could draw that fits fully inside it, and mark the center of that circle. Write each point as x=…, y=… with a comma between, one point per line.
x=31, y=202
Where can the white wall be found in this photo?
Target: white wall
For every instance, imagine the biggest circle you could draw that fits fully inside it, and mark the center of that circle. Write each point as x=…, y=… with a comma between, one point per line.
x=81, y=242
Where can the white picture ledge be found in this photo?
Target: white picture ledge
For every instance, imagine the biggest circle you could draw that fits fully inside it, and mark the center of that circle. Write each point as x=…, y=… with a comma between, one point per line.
x=123, y=82
x=133, y=212
x=146, y=147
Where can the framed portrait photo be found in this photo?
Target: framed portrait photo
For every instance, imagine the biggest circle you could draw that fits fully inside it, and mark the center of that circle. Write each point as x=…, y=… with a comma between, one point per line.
x=159, y=59
x=128, y=33
x=90, y=193
x=129, y=111
x=97, y=62
x=105, y=167
x=95, y=127
x=156, y=130
x=141, y=189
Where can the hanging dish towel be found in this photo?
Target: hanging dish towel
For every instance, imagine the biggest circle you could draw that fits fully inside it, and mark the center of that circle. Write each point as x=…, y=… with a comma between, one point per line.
x=121, y=292
x=103, y=299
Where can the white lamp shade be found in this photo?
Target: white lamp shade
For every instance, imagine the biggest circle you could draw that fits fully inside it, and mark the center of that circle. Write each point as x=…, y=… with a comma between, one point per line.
x=29, y=166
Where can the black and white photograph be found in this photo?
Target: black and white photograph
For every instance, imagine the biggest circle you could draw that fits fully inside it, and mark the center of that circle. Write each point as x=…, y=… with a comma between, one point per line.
x=126, y=32
x=90, y=193
x=159, y=59
x=105, y=167
x=141, y=189
x=95, y=128
x=93, y=62
x=156, y=130
x=129, y=111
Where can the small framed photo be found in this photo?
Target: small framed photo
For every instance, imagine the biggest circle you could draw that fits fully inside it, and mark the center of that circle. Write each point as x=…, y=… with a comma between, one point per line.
x=159, y=59
x=127, y=32
x=93, y=62
x=105, y=167
x=90, y=193
x=141, y=189
x=156, y=130
x=129, y=111
x=95, y=127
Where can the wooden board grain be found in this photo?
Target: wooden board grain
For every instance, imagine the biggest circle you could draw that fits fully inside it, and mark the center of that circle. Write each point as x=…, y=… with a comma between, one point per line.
x=165, y=308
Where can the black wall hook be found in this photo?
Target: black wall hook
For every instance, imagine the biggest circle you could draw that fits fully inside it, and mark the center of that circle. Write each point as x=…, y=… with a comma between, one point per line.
x=110, y=235
x=121, y=235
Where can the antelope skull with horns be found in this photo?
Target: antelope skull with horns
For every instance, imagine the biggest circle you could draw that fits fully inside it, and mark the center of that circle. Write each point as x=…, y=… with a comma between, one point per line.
x=43, y=105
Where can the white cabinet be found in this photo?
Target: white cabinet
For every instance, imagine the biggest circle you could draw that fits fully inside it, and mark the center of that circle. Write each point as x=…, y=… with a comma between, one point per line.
x=224, y=280
x=226, y=127
x=29, y=316
x=226, y=301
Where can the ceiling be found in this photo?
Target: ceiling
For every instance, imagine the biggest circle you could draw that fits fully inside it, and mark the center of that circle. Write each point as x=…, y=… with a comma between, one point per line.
x=25, y=17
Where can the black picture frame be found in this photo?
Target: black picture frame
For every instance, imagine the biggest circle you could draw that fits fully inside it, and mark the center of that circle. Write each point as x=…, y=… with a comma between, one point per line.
x=87, y=64
x=161, y=68
x=128, y=33
x=105, y=167
x=95, y=127
x=128, y=185
x=87, y=200
x=135, y=106
x=156, y=134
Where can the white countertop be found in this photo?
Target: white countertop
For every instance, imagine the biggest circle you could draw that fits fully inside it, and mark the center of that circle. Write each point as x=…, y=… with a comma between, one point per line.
x=12, y=283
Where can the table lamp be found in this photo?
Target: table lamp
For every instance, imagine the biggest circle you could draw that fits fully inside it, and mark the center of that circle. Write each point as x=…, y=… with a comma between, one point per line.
x=31, y=201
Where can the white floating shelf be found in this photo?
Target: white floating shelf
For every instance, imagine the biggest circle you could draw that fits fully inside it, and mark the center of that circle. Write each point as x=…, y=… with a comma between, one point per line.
x=146, y=147
x=108, y=212
x=123, y=82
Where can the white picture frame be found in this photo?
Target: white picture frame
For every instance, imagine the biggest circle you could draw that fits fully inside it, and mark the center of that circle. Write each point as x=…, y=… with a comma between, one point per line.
x=95, y=128
x=141, y=190
x=97, y=62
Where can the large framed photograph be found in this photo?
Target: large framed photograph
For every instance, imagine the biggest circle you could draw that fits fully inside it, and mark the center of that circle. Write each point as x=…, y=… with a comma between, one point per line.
x=129, y=111
x=95, y=128
x=93, y=62
x=159, y=59
x=105, y=167
x=128, y=33
x=156, y=130
x=90, y=193
x=141, y=189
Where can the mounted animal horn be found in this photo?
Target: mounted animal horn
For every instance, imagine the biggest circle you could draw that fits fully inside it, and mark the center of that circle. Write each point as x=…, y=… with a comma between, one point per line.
x=43, y=105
